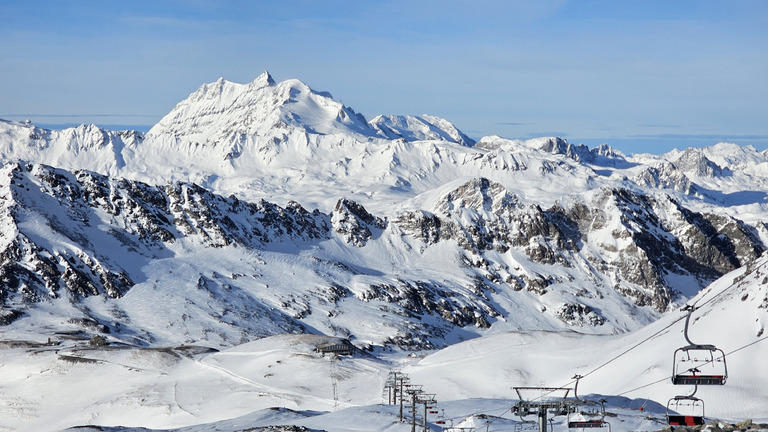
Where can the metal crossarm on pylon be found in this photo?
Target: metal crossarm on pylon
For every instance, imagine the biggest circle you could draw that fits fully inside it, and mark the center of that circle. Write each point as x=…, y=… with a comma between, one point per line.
x=550, y=400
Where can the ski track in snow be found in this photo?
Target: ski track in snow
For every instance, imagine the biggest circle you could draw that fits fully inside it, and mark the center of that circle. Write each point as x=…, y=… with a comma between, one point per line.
x=283, y=142
x=268, y=391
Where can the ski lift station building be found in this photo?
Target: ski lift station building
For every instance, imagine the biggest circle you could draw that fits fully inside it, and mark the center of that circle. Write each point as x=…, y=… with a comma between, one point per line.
x=338, y=347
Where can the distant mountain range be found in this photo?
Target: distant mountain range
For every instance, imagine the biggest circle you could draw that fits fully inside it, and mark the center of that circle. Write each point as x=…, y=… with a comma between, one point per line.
x=264, y=208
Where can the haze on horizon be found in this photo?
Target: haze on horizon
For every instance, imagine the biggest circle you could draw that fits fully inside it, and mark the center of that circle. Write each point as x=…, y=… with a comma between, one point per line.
x=640, y=76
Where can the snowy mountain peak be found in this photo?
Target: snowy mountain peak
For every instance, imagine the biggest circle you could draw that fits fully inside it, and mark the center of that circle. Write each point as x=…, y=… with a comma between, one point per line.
x=223, y=110
x=264, y=78
x=227, y=111
x=423, y=127
x=268, y=208
x=694, y=161
x=478, y=195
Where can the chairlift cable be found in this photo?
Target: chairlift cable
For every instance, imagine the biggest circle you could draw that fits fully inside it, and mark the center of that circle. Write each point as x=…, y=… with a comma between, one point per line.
x=641, y=387
x=747, y=345
x=640, y=343
x=667, y=378
x=709, y=361
x=713, y=297
x=655, y=334
x=651, y=337
x=624, y=352
x=633, y=347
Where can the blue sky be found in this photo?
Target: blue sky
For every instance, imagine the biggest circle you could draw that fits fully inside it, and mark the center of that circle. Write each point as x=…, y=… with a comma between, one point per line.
x=638, y=75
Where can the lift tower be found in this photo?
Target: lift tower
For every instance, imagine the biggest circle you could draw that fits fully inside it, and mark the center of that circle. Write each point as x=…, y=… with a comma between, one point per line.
x=550, y=400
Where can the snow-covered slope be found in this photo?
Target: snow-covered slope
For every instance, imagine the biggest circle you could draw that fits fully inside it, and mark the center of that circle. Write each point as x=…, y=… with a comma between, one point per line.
x=732, y=315
x=84, y=252
x=69, y=384
x=222, y=110
x=539, y=234
x=419, y=128
x=84, y=147
x=266, y=208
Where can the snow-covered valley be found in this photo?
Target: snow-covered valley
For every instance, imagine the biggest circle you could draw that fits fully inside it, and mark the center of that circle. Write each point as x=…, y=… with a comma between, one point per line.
x=185, y=278
x=197, y=388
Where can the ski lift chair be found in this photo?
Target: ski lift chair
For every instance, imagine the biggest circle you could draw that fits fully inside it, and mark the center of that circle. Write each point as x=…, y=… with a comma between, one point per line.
x=441, y=420
x=526, y=426
x=697, y=364
x=592, y=409
x=590, y=423
x=685, y=411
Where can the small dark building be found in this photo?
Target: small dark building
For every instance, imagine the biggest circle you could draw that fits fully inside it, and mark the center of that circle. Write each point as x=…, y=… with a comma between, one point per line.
x=338, y=347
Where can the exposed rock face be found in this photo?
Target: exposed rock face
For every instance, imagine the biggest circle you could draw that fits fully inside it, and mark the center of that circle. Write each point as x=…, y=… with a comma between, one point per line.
x=580, y=153
x=656, y=236
x=92, y=221
x=423, y=298
x=437, y=237
x=695, y=162
x=482, y=215
x=32, y=271
x=422, y=225
x=636, y=240
x=666, y=176
x=62, y=231
x=141, y=216
x=718, y=242
x=222, y=221
x=579, y=315
x=354, y=223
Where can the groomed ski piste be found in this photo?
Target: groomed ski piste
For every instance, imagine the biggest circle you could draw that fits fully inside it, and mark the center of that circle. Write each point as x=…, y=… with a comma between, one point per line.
x=200, y=340
x=284, y=381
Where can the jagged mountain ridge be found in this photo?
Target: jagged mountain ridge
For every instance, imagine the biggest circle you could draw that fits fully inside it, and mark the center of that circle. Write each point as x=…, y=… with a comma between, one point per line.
x=732, y=315
x=69, y=240
x=638, y=239
x=84, y=147
x=419, y=128
x=70, y=235
x=230, y=136
x=544, y=234
x=223, y=110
